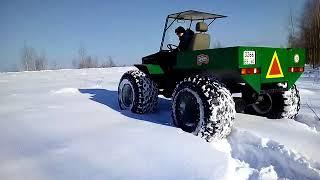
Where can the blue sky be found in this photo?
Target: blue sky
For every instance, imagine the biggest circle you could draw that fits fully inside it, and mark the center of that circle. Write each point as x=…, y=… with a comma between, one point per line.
x=128, y=30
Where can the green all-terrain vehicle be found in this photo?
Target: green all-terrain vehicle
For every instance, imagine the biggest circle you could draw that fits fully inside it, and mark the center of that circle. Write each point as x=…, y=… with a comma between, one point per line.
x=208, y=86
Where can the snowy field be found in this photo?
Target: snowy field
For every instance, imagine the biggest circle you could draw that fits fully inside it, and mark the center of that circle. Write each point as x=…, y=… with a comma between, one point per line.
x=66, y=124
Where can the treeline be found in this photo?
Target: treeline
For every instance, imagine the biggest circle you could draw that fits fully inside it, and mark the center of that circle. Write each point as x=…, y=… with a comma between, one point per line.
x=88, y=61
x=306, y=33
x=31, y=60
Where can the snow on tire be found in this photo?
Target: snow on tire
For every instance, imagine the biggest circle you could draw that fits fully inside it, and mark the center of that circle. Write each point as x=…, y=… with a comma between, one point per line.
x=204, y=107
x=137, y=92
x=286, y=104
x=292, y=103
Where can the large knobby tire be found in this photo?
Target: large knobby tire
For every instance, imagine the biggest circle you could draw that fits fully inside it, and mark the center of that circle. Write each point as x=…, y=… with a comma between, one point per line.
x=137, y=92
x=203, y=106
x=285, y=104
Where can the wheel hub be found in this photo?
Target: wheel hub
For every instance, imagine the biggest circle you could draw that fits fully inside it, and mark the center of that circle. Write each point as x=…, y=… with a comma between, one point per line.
x=263, y=103
x=188, y=111
x=127, y=95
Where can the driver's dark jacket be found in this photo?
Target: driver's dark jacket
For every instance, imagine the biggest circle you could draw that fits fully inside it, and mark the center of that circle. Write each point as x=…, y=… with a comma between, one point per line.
x=185, y=40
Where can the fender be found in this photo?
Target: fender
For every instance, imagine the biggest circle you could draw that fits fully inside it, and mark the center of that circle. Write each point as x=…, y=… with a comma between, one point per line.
x=151, y=69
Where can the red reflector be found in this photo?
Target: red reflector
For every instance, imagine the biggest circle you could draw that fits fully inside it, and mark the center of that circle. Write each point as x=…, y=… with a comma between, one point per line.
x=245, y=71
x=296, y=69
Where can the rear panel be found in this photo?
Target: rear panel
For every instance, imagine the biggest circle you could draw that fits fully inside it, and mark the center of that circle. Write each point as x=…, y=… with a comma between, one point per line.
x=273, y=64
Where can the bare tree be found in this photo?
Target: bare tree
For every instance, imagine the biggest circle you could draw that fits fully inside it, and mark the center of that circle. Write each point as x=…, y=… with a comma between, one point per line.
x=88, y=62
x=111, y=62
x=85, y=61
x=108, y=63
x=292, y=37
x=82, y=52
x=31, y=61
x=41, y=62
x=54, y=65
x=309, y=32
x=28, y=55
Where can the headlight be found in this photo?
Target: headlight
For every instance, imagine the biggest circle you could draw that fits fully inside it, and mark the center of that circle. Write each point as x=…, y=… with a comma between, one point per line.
x=296, y=58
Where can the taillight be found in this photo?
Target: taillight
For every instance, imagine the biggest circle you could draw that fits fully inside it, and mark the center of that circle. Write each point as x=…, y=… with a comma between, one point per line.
x=245, y=71
x=295, y=69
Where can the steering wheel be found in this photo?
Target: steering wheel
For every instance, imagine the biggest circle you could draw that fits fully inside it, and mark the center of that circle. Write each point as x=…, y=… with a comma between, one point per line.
x=172, y=47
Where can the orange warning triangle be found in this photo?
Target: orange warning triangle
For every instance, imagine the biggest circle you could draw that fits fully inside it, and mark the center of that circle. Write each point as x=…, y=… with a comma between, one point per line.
x=274, y=70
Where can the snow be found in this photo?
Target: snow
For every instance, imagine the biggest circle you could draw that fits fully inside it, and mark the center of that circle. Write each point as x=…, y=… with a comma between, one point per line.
x=66, y=91
x=310, y=100
x=66, y=124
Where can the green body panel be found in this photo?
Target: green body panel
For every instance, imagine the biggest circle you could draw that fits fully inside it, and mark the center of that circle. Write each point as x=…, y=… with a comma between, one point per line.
x=229, y=61
x=154, y=69
x=219, y=59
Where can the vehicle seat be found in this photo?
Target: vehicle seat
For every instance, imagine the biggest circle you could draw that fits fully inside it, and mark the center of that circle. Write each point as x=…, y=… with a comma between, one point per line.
x=200, y=40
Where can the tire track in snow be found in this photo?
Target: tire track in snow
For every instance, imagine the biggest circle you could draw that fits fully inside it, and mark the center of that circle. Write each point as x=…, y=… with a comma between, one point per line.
x=313, y=111
x=265, y=156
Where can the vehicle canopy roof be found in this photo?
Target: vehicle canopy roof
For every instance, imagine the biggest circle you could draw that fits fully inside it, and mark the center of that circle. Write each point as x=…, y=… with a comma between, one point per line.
x=194, y=15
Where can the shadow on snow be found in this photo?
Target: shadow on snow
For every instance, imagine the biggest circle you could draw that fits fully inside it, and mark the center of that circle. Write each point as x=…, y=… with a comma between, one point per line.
x=110, y=98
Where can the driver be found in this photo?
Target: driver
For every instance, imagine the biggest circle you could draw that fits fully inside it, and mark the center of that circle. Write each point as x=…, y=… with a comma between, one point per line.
x=185, y=37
